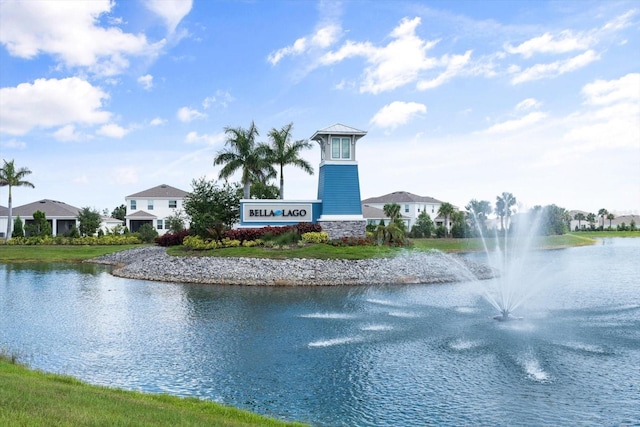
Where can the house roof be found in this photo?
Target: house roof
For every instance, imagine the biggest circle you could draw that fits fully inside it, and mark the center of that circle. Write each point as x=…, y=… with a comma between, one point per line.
x=110, y=219
x=161, y=191
x=4, y=211
x=401, y=197
x=338, y=129
x=369, y=212
x=141, y=215
x=51, y=208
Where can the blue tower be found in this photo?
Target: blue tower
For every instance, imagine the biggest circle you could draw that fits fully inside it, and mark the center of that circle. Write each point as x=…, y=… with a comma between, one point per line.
x=338, y=182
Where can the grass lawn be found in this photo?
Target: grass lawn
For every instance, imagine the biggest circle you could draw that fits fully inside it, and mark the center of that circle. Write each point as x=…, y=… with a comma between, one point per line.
x=34, y=398
x=55, y=253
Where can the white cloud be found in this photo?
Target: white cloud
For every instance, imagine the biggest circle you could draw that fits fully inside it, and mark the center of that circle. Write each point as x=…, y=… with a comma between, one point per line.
x=171, y=11
x=322, y=38
x=67, y=133
x=554, y=69
x=516, y=124
x=125, y=175
x=70, y=32
x=454, y=64
x=397, y=113
x=222, y=98
x=112, y=131
x=186, y=114
x=528, y=104
x=157, y=121
x=547, y=43
x=603, y=92
x=210, y=139
x=13, y=143
x=146, y=81
x=51, y=103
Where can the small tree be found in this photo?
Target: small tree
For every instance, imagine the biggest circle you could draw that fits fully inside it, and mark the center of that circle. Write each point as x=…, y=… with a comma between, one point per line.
x=40, y=226
x=89, y=221
x=147, y=233
x=18, y=230
x=210, y=206
x=423, y=226
x=175, y=223
x=579, y=217
x=119, y=213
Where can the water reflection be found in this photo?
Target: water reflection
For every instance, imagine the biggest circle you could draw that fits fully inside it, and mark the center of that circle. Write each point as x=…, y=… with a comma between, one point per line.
x=379, y=355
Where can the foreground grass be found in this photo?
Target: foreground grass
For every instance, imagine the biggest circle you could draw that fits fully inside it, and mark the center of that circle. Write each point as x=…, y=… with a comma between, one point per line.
x=56, y=253
x=34, y=398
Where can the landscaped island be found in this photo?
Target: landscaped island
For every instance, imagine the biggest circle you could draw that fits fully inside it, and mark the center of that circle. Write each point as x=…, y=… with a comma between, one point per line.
x=153, y=263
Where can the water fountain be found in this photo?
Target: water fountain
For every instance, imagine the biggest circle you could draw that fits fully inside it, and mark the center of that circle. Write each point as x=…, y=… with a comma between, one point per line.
x=508, y=256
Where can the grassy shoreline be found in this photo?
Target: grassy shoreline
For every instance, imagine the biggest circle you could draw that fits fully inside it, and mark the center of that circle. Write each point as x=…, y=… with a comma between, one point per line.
x=34, y=398
x=62, y=253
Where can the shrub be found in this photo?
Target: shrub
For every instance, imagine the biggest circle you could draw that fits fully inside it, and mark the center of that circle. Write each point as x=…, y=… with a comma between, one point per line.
x=197, y=243
x=230, y=243
x=315, y=237
x=18, y=230
x=172, y=239
x=147, y=233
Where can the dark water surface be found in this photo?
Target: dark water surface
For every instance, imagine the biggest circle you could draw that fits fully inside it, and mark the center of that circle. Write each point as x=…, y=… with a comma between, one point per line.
x=397, y=355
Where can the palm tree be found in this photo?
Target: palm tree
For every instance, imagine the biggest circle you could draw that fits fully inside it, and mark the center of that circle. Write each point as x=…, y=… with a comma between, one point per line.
x=603, y=213
x=392, y=210
x=504, y=203
x=11, y=177
x=579, y=217
x=243, y=153
x=479, y=210
x=446, y=210
x=610, y=217
x=283, y=152
x=591, y=219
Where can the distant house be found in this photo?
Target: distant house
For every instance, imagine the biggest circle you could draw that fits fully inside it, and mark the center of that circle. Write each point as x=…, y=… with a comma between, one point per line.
x=153, y=206
x=108, y=224
x=411, y=205
x=60, y=216
x=4, y=215
x=375, y=215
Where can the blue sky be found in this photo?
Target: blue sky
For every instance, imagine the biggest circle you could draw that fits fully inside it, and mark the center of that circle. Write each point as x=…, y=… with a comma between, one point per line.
x=460, y=99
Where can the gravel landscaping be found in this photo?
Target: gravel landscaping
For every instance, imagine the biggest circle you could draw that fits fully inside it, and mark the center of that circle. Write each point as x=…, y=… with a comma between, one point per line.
x=152, y=263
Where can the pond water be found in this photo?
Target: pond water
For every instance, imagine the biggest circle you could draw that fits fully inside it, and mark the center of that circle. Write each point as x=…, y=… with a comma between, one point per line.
x=408, y=355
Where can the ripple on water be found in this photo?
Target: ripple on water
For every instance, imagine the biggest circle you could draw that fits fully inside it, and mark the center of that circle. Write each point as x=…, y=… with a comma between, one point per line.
x=334, y=341
x=462, y=344
x=376, y=328
x=339, y=316
x=534, y=371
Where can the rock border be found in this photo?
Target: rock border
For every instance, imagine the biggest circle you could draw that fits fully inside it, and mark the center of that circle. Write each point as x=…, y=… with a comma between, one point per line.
x=410, y=267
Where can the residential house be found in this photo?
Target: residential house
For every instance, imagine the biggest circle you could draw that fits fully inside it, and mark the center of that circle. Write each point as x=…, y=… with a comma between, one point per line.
x=375, y=215
x=411, y=205
x=60, y=216
x=153, y=206
x=4, y=215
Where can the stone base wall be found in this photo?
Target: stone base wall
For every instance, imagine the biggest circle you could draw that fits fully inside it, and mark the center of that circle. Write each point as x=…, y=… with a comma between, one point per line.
x=339, y=229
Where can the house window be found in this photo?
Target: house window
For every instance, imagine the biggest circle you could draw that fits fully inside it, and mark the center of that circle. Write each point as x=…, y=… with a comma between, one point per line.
x=406, y=208
x=160, y=224
x=150, y=205
x=173, y=204
x=341, y=148
x=133, y=205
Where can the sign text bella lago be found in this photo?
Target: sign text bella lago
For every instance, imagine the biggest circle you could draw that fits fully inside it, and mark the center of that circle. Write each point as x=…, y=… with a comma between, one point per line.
x=276, y=212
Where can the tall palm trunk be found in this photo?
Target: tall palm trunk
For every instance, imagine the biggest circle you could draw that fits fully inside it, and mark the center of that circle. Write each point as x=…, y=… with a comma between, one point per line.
x=9, y=220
